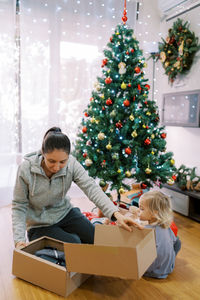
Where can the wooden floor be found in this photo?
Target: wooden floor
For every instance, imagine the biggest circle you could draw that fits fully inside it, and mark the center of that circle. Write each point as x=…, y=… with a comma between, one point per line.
x=183, y=283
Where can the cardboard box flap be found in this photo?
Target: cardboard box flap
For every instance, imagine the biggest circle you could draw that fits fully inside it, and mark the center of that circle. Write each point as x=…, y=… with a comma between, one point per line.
x=101, y=260
x=111, y=235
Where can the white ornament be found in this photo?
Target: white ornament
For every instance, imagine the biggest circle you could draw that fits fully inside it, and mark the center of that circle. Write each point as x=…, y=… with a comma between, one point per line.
x=101, y=136
x=88, y=162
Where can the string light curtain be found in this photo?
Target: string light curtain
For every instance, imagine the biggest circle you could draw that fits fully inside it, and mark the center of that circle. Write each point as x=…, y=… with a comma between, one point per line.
x=62, y=46
x=50, y=56
x=8, y=92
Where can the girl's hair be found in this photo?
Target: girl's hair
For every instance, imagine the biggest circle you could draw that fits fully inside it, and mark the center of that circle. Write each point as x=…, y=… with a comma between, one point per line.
x=55, y=139
x=160, y=206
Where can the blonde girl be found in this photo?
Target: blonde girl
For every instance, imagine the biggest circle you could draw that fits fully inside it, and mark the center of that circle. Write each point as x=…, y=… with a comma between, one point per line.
x=155, y=207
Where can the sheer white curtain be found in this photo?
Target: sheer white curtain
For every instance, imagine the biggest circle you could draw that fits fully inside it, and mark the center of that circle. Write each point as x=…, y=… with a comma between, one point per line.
x=8, y=91
x=61, y=48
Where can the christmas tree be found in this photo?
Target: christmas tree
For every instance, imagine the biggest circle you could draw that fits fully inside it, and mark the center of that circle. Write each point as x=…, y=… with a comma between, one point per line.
x=119, y=136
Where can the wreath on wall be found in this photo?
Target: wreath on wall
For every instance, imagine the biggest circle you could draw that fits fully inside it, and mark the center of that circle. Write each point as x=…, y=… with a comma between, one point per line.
x=177, y=51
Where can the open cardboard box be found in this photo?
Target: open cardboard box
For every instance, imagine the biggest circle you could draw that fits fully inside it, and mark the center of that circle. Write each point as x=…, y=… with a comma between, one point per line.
x=43, y=273
x=116, y=252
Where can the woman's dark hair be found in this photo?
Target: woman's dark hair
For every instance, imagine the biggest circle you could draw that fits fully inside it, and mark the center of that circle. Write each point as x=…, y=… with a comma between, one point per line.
x=55, y=139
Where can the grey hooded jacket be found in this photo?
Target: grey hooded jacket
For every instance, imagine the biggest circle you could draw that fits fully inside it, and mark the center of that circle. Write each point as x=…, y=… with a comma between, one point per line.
x=42, y=201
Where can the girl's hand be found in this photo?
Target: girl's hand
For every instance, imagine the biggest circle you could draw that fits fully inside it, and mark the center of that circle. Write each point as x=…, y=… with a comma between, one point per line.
x=20, y=245
x=126, y=222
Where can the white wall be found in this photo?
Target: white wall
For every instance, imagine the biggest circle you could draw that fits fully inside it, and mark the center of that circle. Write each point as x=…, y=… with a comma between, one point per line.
x=182, y=141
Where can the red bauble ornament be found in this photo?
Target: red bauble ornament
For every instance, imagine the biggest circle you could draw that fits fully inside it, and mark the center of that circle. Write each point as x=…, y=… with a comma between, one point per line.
x=143, y=186
x=111, y=39
x=174, y=177
x=145, y=102
x=109, y=101
x=147, y=86
x=133, y=98
x=147, y=142
x=127, y=52
x=84, y=154
x=137, y=70
x=147, y=127
x=91, y=98
x=124, y=19
x=108, y=80
x=104, y=62
x=132, y=50
x=103, y=108
x=129, y=85
x=118, y=125
x=86, y=114
x=126, y=102
x=139, y=87
x=84, y=129
x=128, y=150
x=163, y=135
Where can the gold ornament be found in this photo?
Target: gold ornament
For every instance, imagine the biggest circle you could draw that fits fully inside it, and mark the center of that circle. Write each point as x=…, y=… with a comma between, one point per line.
x=109, y=146
x=128, y=174
x=166, y=64
x=101, y=136
x=169, y=51
x=148, y=171
x=180, y=49
x=153, y=136
x=131, y=117
x=102, y=96
x=97, y=86
x=172, y=161
x=92, y=120
x=148, y=113
x=117, y=33
x=145, y=65
x=170, y=181
x=134, y=134
x=121, y=191
x=98, y=150
x=123, y=86
x=144, y=126
x=152, y=152
x=162, y=56
x=97, y=121
x=119, y=171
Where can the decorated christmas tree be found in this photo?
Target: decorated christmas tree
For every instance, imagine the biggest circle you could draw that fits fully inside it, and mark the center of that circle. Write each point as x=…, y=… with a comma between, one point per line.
x=120, y=136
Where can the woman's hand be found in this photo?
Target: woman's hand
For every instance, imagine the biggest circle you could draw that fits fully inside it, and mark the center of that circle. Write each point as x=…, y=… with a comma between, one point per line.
x=20, y=245
x=126, y=222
